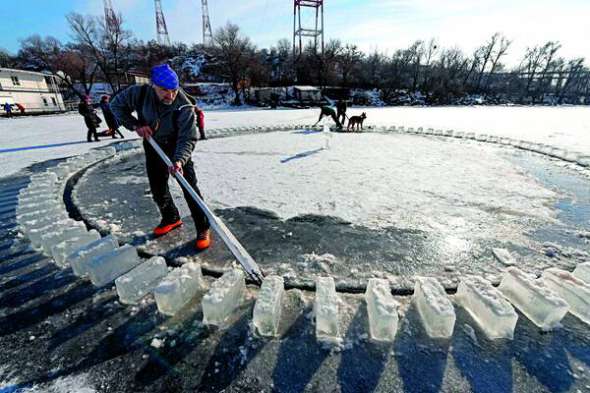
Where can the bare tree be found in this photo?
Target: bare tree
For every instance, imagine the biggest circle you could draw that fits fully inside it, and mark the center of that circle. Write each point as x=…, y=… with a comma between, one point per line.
x=68, y=63
x=501, y=51
x=431, y=51
x=568, y=78
x=348, y=60
x=6, y=60
x=535, y=67
x=233, y=53
x=105, y=44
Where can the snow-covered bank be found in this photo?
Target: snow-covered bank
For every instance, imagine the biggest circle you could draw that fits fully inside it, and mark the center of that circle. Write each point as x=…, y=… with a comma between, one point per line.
x=565, y=127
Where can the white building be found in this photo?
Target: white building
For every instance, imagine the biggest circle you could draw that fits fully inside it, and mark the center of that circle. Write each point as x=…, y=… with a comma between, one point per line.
x=35, y=91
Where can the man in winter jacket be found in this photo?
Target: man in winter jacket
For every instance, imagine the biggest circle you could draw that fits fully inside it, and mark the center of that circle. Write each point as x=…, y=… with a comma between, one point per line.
x=86, y=109
x=166, y=114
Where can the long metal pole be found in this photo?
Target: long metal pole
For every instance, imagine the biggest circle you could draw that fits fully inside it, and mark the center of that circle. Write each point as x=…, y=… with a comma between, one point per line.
x=217, y=225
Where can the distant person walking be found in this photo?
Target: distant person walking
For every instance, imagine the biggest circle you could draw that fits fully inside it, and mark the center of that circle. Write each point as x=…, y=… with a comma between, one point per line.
x=86, y=109
x=21, y=108
x=341, y=107
x=109, y=117
x=8, y=110
x=327, y=111
x=200, y=122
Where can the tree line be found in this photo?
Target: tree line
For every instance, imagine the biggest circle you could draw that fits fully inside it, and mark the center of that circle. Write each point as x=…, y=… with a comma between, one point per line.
x=437, y=75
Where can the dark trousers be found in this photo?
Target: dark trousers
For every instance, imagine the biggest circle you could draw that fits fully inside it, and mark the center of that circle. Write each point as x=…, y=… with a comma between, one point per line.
x=202, y=133
x=333, y=116
x=91, y=134
x=158, y=175
x=341, y=115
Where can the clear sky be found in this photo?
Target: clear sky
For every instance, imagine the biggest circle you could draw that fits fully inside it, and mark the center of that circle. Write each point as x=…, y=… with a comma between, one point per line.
x=385, y=25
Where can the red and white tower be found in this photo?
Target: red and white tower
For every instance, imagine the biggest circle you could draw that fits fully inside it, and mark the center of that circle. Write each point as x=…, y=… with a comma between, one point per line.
x=299, y=31
x=207, y=33
x=162, y=30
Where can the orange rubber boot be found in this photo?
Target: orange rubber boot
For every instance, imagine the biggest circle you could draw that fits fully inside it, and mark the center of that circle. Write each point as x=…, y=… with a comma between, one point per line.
x=163, y=228
x=203, y=240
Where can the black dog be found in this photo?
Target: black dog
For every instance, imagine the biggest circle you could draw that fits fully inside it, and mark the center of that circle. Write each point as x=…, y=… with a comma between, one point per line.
x=356, y=121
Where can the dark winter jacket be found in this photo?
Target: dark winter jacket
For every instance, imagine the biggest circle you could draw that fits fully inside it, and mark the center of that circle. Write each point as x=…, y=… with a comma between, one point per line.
x=89, y=113
x=7, y=108
x=183, y=133
x=109, y=117
x=328, y=111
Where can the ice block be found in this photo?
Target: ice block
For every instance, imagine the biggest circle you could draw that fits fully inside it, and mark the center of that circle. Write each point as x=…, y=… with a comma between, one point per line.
x=62, y=250
x=488, y=307
x=573, y=290
x=79, y=259
x=540, y=304
x=178, y=287
x=224, y=296
x=42, y=219
x=33, y=207
x=104, y=269
x=44, y=227
x=326, y=310
x=73, y=229
x=382, y=310
x=582, y=272
x=267, y=311
x=435, y=307
x=504, y=256
x=137, y=283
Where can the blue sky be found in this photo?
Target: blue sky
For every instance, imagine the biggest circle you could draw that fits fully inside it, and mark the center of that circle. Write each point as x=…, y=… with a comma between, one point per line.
x=384, y=25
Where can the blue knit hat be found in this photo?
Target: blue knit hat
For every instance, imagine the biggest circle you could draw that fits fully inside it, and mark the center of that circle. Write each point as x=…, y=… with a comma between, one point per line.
x=164, y=76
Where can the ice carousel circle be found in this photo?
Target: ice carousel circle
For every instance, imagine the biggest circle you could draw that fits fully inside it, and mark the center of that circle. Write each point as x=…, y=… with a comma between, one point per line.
x=485, y=230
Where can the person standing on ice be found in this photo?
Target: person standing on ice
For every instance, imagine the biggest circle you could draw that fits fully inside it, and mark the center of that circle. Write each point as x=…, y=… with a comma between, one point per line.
x=341, y=108
x=201, y=122
x=91, y=119
x=166, y=114
x=109, y=117
x=8, y=109
x=328, y=111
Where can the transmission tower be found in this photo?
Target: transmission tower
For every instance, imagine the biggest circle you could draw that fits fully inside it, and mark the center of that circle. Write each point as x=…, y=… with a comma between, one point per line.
x=299, y=31
x=110, y=18
x=163, y=37
x=207, y=33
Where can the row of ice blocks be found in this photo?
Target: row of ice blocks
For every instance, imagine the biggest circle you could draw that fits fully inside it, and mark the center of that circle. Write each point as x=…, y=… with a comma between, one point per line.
x=535, y=300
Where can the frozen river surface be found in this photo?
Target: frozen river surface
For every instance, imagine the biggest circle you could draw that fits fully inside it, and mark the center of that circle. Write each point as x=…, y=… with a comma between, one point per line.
x=357, y=205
